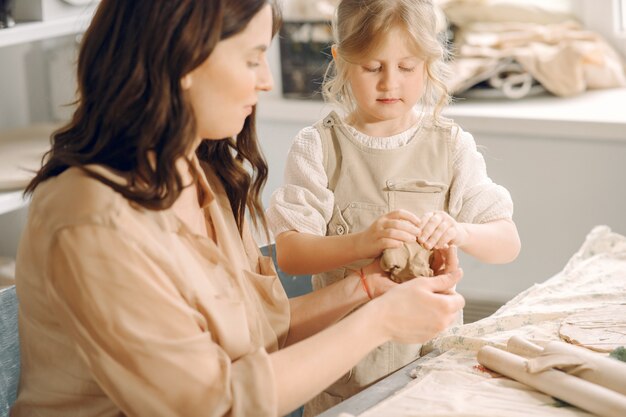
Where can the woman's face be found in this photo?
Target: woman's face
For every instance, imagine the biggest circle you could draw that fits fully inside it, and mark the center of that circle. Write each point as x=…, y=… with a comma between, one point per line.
x=223, y=90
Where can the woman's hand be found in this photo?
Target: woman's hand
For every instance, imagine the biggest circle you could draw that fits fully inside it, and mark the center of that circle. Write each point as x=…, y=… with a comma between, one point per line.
x=377, y=279
x=439, y=230
x=417, y=310
x=388, y=231
x=444, y=260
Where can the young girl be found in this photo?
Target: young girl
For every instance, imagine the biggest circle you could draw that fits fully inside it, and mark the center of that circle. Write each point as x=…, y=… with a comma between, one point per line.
x=384, y=173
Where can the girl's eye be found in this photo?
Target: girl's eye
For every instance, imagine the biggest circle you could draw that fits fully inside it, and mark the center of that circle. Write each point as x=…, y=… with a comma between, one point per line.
x=368, y=69
x=407, y=69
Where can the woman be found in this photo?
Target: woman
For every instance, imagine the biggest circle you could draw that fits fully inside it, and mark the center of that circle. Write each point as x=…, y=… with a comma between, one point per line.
x=141, y=290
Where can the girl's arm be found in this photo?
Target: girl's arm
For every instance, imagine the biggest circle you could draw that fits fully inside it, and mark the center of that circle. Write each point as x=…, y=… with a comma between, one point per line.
x=304, y=253
x=494, y=242
x=412, y=312
x=474, y=202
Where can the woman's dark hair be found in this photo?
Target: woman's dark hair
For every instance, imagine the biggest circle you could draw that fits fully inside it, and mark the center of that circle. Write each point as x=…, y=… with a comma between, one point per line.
x=131, y=105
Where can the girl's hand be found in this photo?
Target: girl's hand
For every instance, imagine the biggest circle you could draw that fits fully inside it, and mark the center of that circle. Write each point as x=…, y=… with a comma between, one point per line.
x=439, y=230
x=388, y=231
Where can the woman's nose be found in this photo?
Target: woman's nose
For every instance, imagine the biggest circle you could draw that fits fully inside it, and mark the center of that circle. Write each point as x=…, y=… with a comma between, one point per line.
x=265, y=81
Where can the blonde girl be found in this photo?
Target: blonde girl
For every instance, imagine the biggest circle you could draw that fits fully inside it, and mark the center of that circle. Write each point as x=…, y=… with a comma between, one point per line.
x=387, y=170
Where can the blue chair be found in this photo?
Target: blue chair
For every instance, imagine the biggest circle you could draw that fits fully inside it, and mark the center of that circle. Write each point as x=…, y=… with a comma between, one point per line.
x=9, y=350
x=294, y=285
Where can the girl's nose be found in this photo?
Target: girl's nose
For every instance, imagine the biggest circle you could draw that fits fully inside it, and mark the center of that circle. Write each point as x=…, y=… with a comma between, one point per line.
x=388, y=80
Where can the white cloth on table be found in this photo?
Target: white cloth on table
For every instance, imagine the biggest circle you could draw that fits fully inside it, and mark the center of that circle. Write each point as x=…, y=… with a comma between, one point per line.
x=452, y=384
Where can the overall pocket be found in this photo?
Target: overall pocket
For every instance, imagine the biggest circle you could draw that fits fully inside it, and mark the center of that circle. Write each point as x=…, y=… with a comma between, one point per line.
x=359, y=216
x=416, y=195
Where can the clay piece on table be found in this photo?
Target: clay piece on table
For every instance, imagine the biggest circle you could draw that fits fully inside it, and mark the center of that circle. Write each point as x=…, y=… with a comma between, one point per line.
x=602, y=329
x=407, y=262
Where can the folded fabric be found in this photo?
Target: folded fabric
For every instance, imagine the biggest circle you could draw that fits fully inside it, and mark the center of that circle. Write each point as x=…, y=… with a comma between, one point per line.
x=563, y=57
x=464, y=12
x=504, y=75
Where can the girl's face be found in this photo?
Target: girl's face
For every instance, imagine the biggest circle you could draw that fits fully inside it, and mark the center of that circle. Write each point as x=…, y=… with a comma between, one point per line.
x=388, y=84
x=223, y=89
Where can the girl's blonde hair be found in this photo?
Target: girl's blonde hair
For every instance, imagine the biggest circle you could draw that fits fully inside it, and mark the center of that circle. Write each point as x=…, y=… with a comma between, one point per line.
x=358, y=29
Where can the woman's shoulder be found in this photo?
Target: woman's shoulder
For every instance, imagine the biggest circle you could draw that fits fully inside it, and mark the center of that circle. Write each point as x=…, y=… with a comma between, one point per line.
x=75, y=197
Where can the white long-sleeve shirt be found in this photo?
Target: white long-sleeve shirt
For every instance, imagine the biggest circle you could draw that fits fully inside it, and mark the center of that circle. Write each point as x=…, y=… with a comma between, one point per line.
x=305, y=204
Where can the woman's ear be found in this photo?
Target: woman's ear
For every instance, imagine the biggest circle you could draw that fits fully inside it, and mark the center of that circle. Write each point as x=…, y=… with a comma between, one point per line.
x=186, y=82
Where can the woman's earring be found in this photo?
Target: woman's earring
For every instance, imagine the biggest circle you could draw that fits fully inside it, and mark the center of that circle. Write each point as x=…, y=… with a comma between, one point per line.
x=185, y=82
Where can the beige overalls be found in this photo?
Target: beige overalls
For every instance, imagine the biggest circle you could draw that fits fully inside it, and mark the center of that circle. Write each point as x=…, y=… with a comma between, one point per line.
x=368, y=183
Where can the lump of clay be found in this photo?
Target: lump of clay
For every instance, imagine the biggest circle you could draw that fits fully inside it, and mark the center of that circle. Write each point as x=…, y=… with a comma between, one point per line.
x=406, y=262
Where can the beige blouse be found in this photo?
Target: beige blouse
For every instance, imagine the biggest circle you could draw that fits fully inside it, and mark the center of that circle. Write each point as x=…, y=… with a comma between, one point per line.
x=127, y=311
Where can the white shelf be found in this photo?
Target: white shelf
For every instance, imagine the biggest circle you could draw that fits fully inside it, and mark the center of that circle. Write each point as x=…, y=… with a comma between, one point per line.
x=21, y=151
x=36, y=31
x=598, y=114
x=11, y=200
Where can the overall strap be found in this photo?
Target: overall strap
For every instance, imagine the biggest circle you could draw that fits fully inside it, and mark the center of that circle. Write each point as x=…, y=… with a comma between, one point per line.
x=331, y=154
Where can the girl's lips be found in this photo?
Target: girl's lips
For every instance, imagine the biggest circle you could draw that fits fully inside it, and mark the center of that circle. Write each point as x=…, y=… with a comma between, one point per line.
x=388, y=100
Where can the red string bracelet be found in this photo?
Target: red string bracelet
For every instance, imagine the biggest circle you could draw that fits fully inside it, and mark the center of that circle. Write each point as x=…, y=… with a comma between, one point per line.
x=364, y=282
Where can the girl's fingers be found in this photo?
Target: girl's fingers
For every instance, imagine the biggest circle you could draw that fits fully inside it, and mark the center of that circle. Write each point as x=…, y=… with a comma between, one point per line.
x=426, y=217
x=435, y=237
x=446, y=238
x=430, y=221
x=393, y=238
x=388, y=243
x=404, y=215
x=403, y=225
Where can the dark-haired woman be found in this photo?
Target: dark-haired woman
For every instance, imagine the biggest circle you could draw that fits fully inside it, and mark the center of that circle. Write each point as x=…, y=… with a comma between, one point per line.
x=141, y=290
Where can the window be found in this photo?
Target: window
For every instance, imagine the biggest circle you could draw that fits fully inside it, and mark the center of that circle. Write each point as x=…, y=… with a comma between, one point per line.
x=606, y=17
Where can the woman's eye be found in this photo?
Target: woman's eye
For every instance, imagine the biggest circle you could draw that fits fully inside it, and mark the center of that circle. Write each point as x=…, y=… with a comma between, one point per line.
x=253, y=64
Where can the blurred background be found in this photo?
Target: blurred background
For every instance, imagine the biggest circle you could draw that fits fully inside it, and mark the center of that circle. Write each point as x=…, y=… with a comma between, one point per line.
x=540, y=85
